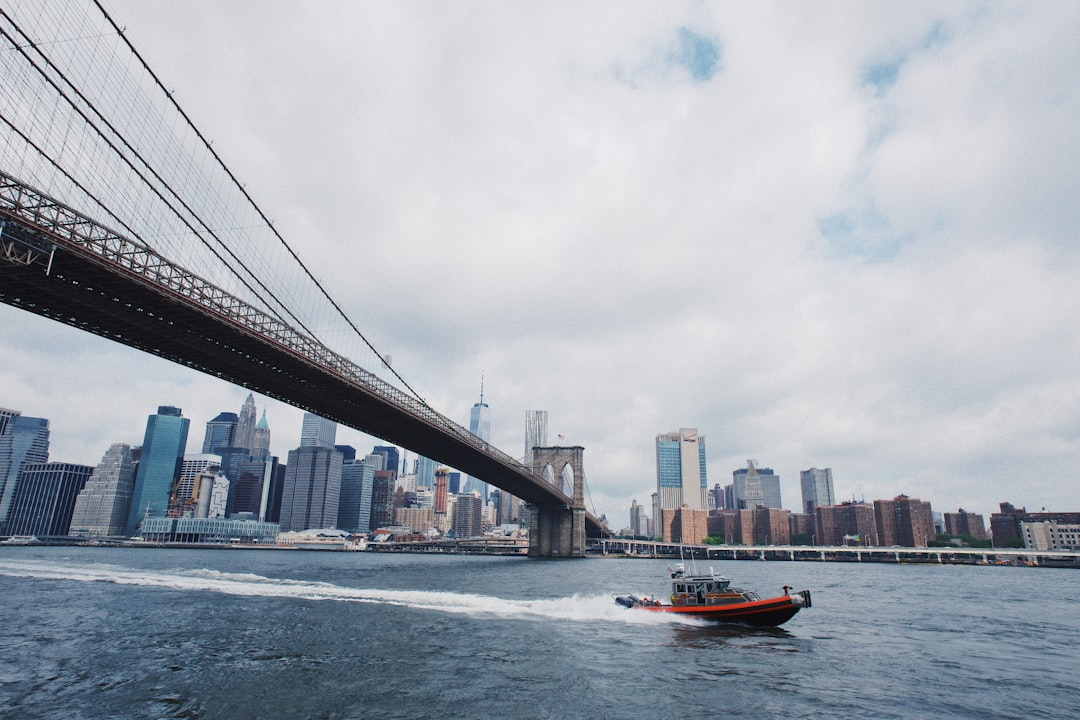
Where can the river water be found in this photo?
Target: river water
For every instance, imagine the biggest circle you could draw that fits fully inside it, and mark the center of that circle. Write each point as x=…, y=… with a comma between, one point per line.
x=139, y=633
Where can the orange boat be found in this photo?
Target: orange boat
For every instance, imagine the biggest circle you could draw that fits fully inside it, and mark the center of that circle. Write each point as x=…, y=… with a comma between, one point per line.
x=711, y=597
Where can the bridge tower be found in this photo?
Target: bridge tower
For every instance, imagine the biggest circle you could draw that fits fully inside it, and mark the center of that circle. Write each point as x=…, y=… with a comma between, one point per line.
x=558, y=531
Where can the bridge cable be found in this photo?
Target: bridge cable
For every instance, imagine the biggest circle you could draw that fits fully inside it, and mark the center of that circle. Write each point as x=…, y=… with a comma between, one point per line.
x=148, y=184
x=40, y=151
x=251, y=200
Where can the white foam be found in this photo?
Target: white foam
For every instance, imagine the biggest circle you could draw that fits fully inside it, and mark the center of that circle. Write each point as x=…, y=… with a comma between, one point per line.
x=574, y=608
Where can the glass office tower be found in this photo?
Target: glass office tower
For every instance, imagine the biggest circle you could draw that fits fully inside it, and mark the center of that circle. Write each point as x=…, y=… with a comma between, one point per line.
x=160, y=462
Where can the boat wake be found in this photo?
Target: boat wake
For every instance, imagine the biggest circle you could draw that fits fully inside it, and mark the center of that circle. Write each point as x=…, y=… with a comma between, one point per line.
x=575, y=608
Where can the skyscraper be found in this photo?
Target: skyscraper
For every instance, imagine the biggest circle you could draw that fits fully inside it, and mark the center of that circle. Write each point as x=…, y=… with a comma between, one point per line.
x=220, y=432
x=22, y=440
x=468, y=511
x=312, y=488
x=680, y=470
x=354, y=506
x=536, y=432
x=245, y=426
x=391, y=458
x=103, y=505
x=756, y=486
x=382, y=499
x=160, y=461
x=317, y=432
x=817, y=488
x=425, y=472
x=442, y=482
x=45, y=498
x=260, y=444
x=904, y=521
x=479, y=425
x=251, y=489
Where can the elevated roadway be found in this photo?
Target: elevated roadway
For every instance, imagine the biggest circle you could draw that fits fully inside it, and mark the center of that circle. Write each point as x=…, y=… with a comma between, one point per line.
x=59, y=264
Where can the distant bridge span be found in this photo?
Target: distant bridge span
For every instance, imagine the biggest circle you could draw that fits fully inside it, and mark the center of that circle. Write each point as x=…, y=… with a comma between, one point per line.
x=64, y=266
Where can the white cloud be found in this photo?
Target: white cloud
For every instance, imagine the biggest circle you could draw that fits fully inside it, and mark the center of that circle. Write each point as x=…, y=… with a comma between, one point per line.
x=812, y=269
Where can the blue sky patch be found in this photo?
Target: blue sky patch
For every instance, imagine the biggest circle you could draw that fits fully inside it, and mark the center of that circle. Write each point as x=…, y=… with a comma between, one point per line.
x=861, y=234
x=698, y=54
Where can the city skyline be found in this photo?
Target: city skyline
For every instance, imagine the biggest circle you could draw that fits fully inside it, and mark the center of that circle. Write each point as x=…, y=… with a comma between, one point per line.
x=793, y=498
x=822, y=242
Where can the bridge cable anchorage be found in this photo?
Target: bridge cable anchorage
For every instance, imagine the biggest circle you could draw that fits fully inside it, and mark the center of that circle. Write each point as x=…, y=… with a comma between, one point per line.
x=243, y=190
x=146, y=182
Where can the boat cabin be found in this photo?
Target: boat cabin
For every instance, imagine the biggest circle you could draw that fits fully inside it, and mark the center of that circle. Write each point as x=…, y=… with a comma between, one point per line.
x=711, y=589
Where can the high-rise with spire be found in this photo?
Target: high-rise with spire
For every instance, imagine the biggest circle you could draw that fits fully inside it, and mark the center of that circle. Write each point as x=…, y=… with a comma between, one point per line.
x=260, y=444
x=245, y=426
x=479, y=425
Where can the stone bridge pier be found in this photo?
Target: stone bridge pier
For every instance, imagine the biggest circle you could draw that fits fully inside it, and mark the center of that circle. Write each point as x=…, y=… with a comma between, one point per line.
x=558, y=531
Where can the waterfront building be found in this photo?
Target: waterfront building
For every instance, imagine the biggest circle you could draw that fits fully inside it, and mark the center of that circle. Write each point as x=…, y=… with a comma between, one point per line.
x=684, y=525
x=312, y=488
x=354, y=507
x=845, y=524
x=45, y=497
x=468, y=509
x=635, y=518
x=962, y=522
x=723, y=525
x=260, y=443
x=904, y=521
x=160, y=461
x=317, y=432
x=817, y=488
x=245, y=426
x=1050, y=535
x=215, y=530
x=1006, y=526
x=417, y=519
x=103, y=504
x=802, y=524
x=772, y=526
x=220, y=432
x=754, y=486
x=681, y=478
x=23, y=439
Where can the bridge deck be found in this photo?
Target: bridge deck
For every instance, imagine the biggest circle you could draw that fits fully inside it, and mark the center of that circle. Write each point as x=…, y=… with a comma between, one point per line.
x=49, y=273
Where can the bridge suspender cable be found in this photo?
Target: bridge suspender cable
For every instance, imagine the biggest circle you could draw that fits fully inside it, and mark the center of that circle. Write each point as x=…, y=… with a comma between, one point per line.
x=155, y=190
x=251, y=200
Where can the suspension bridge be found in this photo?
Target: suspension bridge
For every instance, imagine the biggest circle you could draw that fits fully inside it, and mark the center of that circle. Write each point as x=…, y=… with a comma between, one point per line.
x=118, y=217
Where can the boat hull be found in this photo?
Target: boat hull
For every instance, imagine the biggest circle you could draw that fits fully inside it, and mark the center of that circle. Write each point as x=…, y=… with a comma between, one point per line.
x=758, y=613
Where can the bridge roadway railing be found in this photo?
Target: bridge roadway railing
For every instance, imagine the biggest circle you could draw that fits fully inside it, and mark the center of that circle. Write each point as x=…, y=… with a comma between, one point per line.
x=59, y=222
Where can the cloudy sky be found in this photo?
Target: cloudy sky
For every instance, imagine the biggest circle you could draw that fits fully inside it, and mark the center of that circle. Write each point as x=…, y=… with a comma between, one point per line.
x=838, y=235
